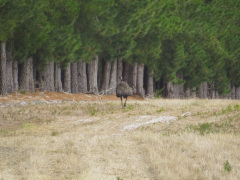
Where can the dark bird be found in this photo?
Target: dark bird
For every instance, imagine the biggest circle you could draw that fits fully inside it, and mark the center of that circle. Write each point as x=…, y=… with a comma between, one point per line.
x=123, y=90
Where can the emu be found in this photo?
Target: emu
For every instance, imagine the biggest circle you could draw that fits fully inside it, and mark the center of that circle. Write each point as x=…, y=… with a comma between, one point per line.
x=123, y=90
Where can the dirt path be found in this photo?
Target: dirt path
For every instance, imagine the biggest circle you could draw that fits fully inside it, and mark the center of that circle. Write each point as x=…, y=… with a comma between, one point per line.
x=110, y=148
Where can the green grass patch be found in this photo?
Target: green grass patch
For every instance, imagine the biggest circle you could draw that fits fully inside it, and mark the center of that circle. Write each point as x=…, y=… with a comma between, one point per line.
x=55, y=133
x=206, y=128
x=236, y=107
x=4, y=132
x=160, y=110
x=22, y=92
x=27, y=126
x=227, y=166
x=118, y=178
x=129, y=108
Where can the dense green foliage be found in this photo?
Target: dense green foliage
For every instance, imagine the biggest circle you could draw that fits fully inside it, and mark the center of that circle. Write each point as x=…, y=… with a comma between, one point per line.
x=196, y=40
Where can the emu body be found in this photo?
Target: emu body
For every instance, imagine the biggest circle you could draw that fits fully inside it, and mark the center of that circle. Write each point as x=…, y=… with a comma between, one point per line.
x=123, y=90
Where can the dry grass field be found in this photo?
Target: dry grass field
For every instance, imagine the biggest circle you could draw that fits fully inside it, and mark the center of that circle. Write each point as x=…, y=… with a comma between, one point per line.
x=97, y=140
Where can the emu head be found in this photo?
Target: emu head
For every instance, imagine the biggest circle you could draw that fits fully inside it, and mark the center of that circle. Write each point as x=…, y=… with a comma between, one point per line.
x=121, y=78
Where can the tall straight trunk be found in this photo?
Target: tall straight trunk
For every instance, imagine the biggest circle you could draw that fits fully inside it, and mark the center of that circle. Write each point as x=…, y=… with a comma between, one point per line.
x=188, y=93
x=175, y=90
x=57, y=78
x=212, y=92
x=203, y=90
x=15, y=76
x=119, y=70
x=199, y=92
x=113, y=78
x=233, y=93
x=3, y=61
x=67, y=79
x=74, y=77
x=169, y=90
x=31, y=75
x=140, y=80
x=134, y=78
x=181, y=89
x=237, y=89
x=92, y=75
x=82, y=77
x=26, y=80
x=150, y=83
x=46, y=78
x=130, y=76
x=178, y=89
x=106, y=77
x=193, y=93
x=125, y=71
x=100, y=73
x=9, y=69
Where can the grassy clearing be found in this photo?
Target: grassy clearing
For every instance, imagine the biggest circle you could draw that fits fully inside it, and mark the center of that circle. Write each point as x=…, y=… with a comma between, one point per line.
x=84, y=141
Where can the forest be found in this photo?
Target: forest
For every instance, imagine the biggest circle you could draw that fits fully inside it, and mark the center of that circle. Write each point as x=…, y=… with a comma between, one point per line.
x=162, y=48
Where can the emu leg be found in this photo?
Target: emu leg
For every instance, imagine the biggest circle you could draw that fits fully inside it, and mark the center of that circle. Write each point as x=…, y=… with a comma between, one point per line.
x=121, y=101
x=125, y=102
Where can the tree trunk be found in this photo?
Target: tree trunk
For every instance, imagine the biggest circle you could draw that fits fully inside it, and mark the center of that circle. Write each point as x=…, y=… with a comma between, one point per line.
x=130, y=76
x=193, y=93
x=74, y=77
x=9, y=67
x=188, y=93
x=125, y=71
x=119, y=70
x=181, y=87
x=233, y=93
x=178, y=90
x=169, y=90
x=140, y=80
x=31, y=76
x=113, y=78
x=175, y=91
x=106, y=77
x=134, y=78
x=57, y=78
x=150, y=84
x=3, y=62
x=67, y=79
x=92, y=75
x=217, y=96
x=47, y=78
x=237, y=93
x=26, y=80
x=203, y=90
x=82, y=77
x=150, y=92
x=15, y=76
x=212, y=92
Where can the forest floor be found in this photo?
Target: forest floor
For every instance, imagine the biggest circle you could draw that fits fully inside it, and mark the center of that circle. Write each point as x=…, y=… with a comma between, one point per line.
x=84, y=136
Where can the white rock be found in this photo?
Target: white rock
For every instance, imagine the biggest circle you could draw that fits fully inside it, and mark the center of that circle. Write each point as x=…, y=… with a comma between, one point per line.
x=186, y=114
x=163, y=119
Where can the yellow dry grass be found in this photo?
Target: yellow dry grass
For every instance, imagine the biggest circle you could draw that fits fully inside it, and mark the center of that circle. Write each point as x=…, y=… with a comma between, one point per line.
x=86, y=140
